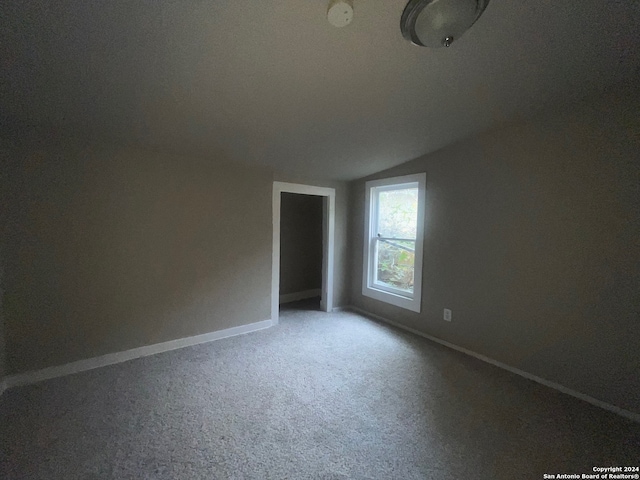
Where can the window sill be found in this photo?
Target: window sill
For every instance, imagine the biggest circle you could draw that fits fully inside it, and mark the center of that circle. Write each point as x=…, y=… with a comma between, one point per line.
x=407, y=303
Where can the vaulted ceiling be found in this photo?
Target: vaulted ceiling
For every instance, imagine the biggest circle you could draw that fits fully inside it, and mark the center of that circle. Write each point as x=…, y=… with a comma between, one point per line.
x=271, y=82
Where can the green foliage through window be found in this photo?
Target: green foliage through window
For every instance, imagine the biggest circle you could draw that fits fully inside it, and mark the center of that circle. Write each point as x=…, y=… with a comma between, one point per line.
x=397, y=223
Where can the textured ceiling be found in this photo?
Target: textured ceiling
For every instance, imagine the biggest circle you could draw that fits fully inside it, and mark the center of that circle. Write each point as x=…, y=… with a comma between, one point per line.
x=271, y=82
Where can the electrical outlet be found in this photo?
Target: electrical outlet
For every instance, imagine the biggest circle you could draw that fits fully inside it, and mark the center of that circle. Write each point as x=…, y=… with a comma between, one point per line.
x=447, y=314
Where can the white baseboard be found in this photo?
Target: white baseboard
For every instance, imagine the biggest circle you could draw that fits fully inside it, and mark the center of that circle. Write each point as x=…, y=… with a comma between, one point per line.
x=556, y=386
x=119, y=357
x=294, y=297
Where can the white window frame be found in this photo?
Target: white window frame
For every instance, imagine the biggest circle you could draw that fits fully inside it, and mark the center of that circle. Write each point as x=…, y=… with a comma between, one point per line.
x=408, y=300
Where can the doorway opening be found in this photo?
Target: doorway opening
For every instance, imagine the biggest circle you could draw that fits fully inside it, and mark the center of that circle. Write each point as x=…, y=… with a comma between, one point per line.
x=300, y=251
x=327, y=214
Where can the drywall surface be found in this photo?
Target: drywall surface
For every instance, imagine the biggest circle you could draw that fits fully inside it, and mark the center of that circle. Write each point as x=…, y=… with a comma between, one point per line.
x=341, y=261
x=532, y=239
x=3, y=348
x=271, y=82
x=111, y=249
x=300, y=243
x=4, y=212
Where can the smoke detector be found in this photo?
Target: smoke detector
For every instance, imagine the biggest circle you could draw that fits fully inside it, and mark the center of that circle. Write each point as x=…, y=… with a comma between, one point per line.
x=437, y=23
x=340, y=13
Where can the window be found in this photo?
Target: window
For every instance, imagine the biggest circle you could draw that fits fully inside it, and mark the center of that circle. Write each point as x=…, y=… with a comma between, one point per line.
x=394, y=217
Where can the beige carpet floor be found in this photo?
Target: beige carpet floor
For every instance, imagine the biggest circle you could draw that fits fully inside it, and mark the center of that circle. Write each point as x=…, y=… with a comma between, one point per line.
x=326, y=396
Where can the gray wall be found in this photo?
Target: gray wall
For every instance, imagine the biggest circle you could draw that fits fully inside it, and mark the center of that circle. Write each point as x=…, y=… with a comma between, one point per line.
x=3, y=351
x=532, y=239
x=110, y=249
x=4, y=213
x=300, y=243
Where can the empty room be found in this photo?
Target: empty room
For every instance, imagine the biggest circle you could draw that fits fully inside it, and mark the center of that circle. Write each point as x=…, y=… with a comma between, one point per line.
x=319, y=239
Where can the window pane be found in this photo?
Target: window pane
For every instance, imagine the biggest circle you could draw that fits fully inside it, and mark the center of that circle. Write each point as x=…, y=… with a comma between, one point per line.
x=395, y=264
x=398, y=213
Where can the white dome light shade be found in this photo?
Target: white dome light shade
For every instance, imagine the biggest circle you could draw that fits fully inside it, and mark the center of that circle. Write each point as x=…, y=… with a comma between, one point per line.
x=437, y=23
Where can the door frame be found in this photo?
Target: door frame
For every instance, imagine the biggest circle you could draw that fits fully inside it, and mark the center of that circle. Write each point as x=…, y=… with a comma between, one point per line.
x=328, y=242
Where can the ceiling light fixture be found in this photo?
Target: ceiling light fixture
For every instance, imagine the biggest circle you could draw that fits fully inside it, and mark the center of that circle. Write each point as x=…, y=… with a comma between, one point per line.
x=437, y=23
